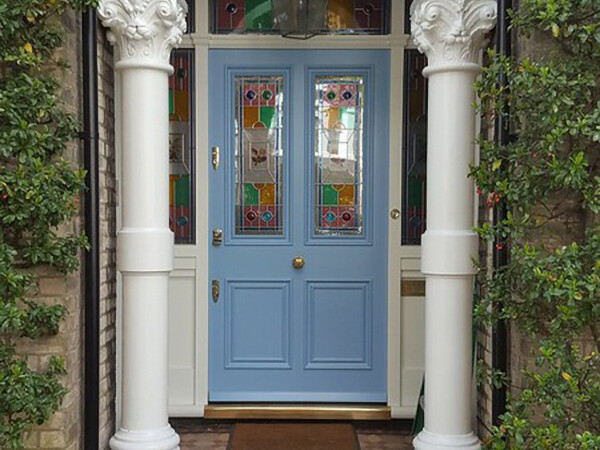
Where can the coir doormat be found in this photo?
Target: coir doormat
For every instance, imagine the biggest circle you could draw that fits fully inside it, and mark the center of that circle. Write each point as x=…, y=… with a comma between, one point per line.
x=293, y=436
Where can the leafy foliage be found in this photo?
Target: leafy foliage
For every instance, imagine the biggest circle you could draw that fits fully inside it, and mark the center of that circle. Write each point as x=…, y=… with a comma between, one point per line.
x=39, y=192
x=549, y=177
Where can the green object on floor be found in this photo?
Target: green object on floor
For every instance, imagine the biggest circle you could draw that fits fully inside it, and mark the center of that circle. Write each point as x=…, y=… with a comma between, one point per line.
x=419, y=420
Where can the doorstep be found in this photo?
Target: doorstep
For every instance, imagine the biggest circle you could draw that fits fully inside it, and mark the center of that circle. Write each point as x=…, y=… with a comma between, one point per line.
x=297, y=411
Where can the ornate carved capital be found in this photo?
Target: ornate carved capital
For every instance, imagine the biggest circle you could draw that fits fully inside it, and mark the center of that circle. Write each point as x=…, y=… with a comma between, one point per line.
x=144, y=29
x=452, y=31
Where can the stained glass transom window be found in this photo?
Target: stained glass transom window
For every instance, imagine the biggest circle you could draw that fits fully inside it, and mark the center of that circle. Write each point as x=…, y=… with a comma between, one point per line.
x=343, y=16
x=338, y=158
x=258, y=155
x=415, y=149
x=181, y=146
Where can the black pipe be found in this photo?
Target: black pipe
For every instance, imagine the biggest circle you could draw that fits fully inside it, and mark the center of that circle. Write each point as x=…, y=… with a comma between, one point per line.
x=91, y=408
x=500, y=252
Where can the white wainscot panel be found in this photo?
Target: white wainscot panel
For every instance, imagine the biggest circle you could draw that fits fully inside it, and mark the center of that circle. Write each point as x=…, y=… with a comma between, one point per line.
x=413, y=348
x=182, y=313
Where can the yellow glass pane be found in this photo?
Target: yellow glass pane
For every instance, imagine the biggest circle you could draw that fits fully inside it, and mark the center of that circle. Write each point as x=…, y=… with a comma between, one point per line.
x=346, y=195
x=250, y=116
x=331, y=116
x=181, y=110
x=267, y=194
x=340, y=15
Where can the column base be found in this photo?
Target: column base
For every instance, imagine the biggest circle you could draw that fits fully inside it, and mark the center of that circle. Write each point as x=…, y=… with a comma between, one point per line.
x=434, y=441
x=161, y=439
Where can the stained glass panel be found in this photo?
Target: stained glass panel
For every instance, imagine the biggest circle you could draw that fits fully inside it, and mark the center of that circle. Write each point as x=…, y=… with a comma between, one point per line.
x=343, y=17
x=415, y=149
x=181, y=146
x=338, y=159
x=258, y=155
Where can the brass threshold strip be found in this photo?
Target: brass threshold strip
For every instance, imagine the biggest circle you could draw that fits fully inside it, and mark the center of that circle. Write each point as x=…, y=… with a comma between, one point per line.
x=291, y=411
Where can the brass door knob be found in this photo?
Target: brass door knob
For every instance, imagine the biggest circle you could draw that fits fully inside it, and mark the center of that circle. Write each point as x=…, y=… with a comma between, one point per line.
x=298, y=262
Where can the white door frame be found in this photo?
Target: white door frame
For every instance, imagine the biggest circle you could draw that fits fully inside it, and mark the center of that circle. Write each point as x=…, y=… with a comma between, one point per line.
x=191, y=261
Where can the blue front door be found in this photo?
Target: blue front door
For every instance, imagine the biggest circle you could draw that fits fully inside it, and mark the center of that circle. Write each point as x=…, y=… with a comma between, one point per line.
x=300, y=193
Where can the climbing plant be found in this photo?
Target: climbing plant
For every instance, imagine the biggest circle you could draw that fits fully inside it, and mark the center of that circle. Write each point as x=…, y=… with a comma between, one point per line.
x=39, y=192
x=548, y=175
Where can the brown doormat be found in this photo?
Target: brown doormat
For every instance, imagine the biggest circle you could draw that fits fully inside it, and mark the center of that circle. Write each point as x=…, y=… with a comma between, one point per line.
x=293, y=436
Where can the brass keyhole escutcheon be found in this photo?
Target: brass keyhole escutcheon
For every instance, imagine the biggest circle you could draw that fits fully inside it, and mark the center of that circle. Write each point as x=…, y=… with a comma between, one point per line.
x=298, y=262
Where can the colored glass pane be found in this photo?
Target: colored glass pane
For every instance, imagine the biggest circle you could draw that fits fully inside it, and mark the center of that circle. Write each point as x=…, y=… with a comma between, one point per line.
x=342, y=17
x=338, y=155
x=258, y=15
x=415, y=150
x=250, y=194
x=258, y=155
x=181, y=144
x=330, y=195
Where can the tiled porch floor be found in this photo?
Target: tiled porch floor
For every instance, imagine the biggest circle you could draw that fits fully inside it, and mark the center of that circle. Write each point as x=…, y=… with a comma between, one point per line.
x=199, y=434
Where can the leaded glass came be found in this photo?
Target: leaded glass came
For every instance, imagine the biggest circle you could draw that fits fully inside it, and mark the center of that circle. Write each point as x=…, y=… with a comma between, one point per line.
x=258, y=155
x=338, y=159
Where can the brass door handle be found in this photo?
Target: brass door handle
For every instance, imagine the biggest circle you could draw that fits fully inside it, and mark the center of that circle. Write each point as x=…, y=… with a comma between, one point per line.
x=298, y=262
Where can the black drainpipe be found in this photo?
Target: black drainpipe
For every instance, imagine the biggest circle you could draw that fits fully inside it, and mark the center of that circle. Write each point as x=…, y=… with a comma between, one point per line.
x=500, y=252
x=91, y=408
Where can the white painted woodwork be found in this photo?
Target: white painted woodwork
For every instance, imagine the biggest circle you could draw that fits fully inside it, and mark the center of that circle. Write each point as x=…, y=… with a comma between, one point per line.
x=452, y=34
x=144, y=32
x=188, y=294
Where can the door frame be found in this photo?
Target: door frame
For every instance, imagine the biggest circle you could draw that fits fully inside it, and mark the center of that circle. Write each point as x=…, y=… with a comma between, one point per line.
x=191, y=261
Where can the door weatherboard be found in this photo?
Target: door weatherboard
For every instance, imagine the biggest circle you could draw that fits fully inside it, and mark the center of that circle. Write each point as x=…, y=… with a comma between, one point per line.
x=304, y=411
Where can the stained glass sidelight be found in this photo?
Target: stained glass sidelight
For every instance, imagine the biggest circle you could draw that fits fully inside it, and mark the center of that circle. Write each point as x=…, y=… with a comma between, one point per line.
x=258, y=155
x=338, y=158
x=415, y=149
x=181, y=146
x=343, y=16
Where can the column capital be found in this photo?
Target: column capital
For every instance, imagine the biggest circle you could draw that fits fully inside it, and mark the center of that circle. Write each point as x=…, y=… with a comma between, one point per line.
x=144, y=31
x=451, y=32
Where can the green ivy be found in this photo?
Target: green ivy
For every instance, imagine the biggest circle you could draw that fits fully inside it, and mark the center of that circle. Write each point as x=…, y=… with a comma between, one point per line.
x=549, y=177
x=39, y=192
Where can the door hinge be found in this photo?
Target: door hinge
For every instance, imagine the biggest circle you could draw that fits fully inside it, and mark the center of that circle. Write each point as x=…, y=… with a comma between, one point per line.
x=215, y=157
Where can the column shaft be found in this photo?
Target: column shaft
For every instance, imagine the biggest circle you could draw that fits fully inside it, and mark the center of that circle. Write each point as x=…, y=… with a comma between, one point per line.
x=144, y=32
x=451, y=33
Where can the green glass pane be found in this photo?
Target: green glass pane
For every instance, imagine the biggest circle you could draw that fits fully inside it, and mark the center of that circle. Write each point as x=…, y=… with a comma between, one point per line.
x=330, y=195
x=182, y=191
x=250, y=195
x=171, y=103
x=258, y=15
x=348, y=117
x=267, y=115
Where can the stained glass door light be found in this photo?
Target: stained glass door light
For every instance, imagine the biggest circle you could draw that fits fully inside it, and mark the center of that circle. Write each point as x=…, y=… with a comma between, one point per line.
x=181, y=144
x=341, y=17
x=338, y=155
x=258, y=155
x=415, y=150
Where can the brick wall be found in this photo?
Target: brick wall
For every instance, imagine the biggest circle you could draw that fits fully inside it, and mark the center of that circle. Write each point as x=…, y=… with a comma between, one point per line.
x=108, y=204
x=64, y=431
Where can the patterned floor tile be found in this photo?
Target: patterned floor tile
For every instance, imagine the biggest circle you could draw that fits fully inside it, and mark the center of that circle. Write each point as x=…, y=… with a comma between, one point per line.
x=384, y=442
x=204, y=441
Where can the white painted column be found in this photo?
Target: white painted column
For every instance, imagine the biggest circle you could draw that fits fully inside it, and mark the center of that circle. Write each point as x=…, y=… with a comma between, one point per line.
x=144, y=33
x=451, y=33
